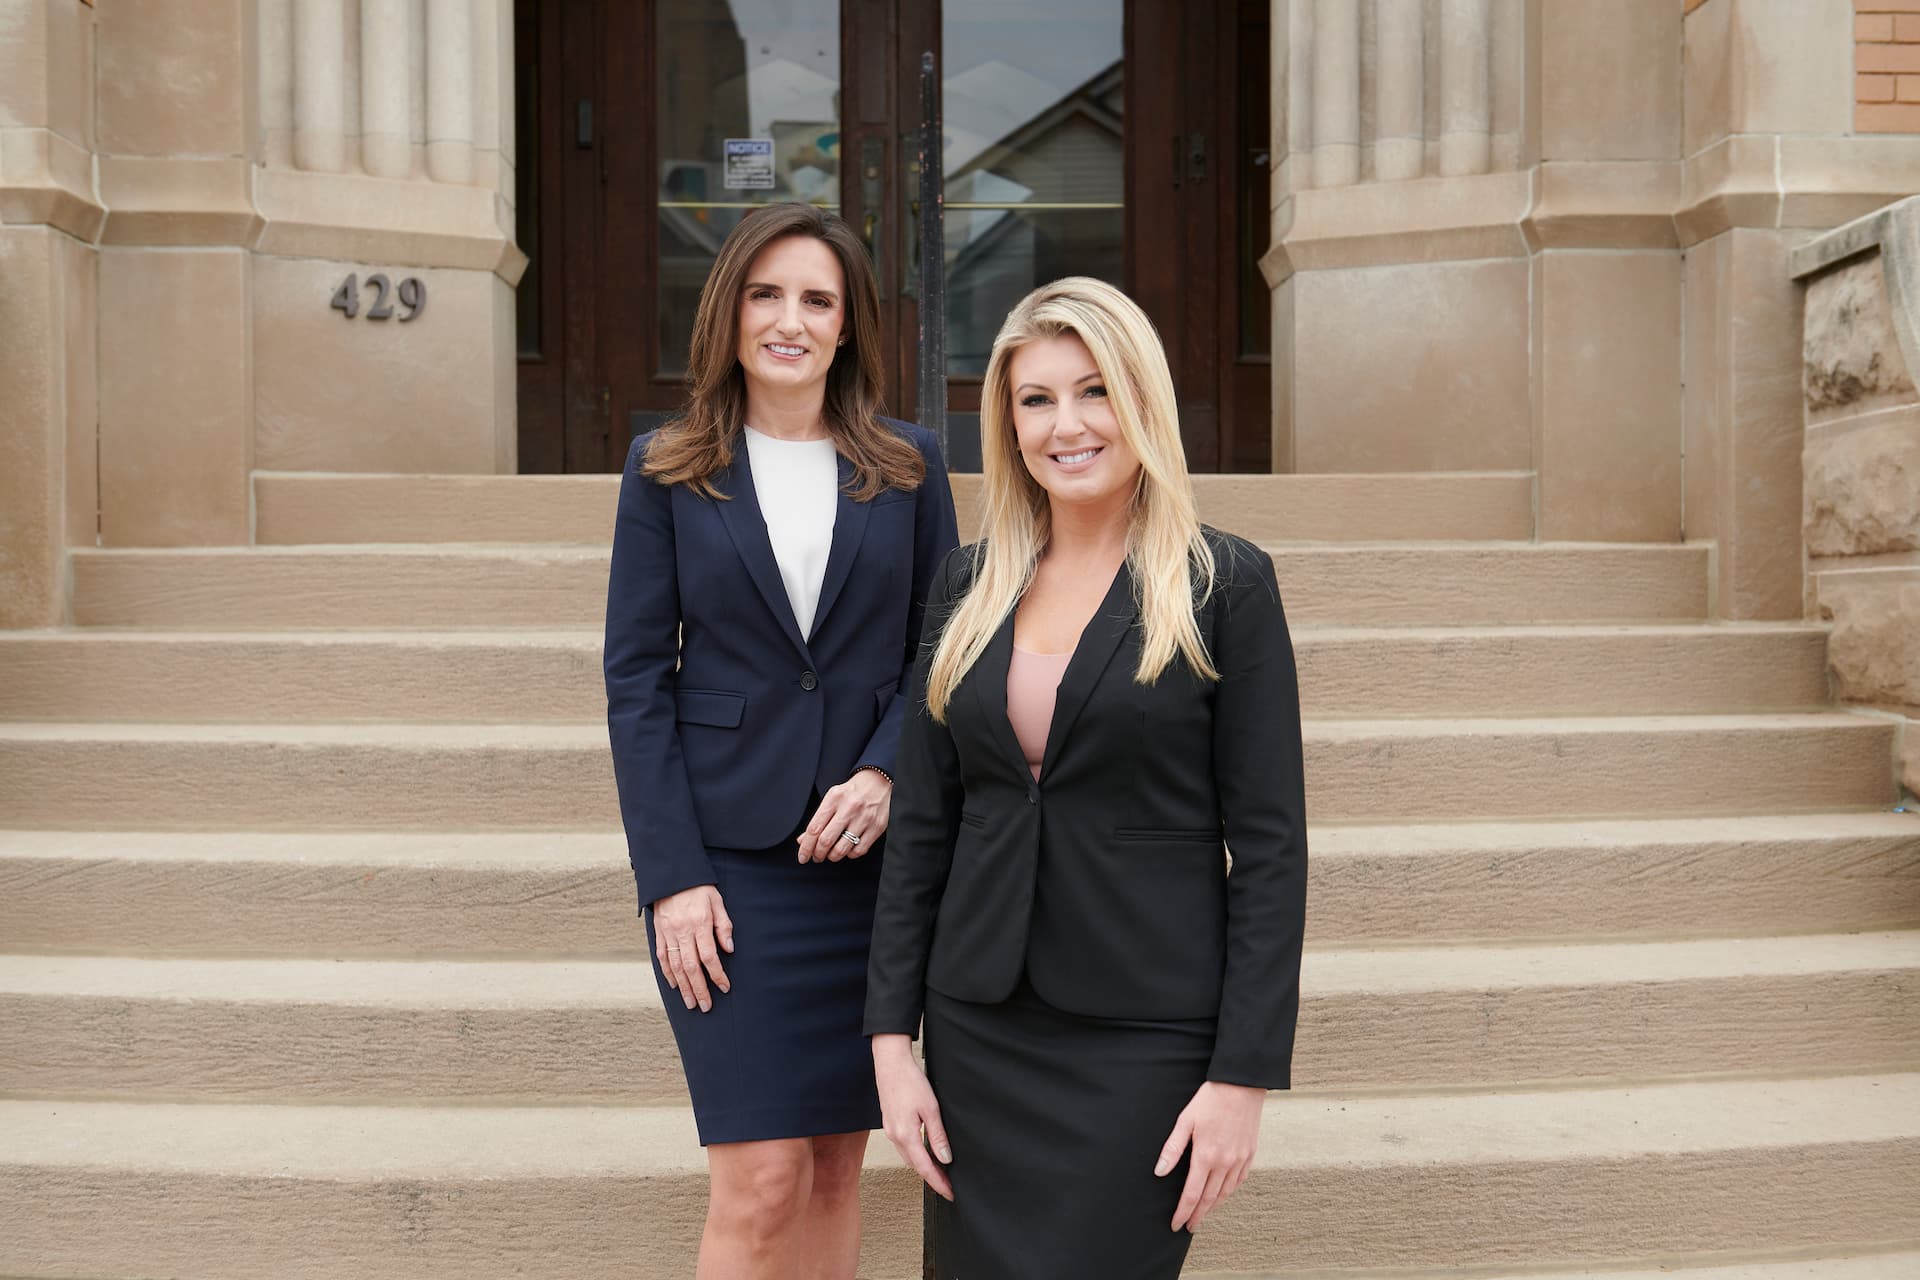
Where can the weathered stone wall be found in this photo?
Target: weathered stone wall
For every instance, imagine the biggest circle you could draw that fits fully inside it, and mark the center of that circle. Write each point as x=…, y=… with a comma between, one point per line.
x=1862, y=460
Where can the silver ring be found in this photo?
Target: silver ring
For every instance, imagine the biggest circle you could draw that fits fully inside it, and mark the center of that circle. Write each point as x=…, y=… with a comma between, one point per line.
x=848, y=835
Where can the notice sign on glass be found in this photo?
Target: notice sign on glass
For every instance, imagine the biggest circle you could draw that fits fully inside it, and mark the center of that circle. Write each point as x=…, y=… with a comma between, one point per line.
x=749, y=164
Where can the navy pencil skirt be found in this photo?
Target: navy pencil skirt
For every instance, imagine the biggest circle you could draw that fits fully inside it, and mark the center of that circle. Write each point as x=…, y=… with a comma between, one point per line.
x=782, y=1055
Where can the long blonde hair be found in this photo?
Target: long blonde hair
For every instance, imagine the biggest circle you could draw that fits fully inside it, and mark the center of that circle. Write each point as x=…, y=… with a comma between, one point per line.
x=1166, y=551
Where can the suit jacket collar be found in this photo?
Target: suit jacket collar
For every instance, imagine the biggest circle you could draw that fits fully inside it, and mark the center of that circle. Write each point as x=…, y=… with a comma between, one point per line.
x=748, y=529
x=1091, y=657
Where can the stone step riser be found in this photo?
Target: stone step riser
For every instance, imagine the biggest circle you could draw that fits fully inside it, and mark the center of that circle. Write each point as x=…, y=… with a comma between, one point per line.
x=117, y=1223
x=297, y=904
x=1374, y=774
x=561, y=587
x=302, y=509
x=198, y=1049
x=558, y=680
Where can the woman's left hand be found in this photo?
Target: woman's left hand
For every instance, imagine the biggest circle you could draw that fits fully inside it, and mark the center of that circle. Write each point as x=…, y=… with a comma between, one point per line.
x=1223, y=1124
x=857, y=807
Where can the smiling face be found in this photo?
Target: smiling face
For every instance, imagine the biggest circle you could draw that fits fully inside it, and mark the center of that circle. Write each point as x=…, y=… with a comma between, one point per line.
x=792, y=314
x=1064, y=425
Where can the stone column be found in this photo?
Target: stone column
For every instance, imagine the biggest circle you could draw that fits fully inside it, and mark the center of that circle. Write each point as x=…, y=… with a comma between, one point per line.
x=386, y=90
x=1399, y=147
x=1466, y=33
x=320, y=85
x=1336, y=93
x=50, y=218
x=450, y=90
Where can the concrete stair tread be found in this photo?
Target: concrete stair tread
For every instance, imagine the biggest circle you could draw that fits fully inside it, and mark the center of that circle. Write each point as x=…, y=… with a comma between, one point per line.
x=310, y=507
x=340, y=586
x=575, y=735
x=1834, y=1264
x=591, y=850
x=517, y=637
x=1296, y=1131
x=569, y=983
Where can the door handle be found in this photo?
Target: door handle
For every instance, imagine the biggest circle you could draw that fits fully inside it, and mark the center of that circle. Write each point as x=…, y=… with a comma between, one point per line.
x=583, y=123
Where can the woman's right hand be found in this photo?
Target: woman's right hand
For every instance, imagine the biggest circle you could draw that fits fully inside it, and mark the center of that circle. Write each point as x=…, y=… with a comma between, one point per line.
x=909, y=1112
x=690, y=930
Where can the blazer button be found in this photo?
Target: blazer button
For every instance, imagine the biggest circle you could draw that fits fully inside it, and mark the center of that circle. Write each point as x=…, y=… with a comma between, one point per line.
x=1033, y=797
x=809, y=681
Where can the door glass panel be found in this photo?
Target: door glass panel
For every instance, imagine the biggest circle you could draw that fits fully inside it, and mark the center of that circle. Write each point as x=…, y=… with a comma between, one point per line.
x=1034, y=166
x=764, y=75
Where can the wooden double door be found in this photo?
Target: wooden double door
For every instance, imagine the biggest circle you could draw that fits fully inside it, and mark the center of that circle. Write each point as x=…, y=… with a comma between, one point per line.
x=1124, y=139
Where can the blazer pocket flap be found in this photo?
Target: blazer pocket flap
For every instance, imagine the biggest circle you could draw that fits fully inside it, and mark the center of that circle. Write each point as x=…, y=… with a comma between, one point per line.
x=883, y=696
x=704, y=706
x=1167, y=835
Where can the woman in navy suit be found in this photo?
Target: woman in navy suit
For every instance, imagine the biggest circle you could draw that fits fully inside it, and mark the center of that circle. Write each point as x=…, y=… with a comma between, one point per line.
x=771, y=562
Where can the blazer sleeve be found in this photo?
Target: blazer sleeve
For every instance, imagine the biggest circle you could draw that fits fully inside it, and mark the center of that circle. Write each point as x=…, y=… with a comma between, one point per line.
x=1259, y=773
x=921, y=830
x=641, y=655
x=935, y=535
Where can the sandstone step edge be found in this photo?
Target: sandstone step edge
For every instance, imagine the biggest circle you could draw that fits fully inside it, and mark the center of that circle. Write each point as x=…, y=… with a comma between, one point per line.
x=599, y=1192
x=481, y=585
x=564, y=894
x=293, y=508
x=555, y=677
x=1897, y=1261
x=1465, y=1018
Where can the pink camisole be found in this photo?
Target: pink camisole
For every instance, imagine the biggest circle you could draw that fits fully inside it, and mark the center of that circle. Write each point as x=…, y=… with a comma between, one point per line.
x=1033, y=680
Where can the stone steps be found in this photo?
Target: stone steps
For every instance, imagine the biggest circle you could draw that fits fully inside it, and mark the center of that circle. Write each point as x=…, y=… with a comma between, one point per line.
x=570, y=896
x=320, y=507
x=559, y=777
x=1881, y=1264
x=1516, y=1179
x=478, y=586
x=547, y=1032
x=528, y=677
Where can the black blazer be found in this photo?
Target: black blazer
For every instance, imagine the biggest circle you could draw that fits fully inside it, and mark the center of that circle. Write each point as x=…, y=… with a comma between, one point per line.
x=724, y=720
x=1106, y=881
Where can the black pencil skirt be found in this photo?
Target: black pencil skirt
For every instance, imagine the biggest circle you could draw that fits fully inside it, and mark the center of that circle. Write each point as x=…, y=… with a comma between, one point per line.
x=782, y=1055
x=1056, y=1120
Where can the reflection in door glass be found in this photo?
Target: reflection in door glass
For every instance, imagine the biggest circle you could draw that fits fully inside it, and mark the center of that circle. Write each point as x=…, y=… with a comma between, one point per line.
x=1033, y=161
x=765, y=74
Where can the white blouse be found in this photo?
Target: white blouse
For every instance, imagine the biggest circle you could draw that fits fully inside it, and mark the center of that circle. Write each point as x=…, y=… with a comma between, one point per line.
x=798, y=483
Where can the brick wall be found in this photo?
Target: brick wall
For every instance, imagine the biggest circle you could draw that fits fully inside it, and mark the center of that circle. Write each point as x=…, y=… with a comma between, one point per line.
x=1886, y=64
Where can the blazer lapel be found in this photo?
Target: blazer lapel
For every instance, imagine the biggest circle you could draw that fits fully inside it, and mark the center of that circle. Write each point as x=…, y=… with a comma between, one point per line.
x=748, y=529
x=849, y=526
x=988, y=680
x=1105, y=630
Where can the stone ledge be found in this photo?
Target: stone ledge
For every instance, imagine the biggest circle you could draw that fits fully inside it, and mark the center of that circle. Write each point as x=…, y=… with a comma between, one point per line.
x=178, y=201
x=46, y=178
x=1379, y=223
x=1763, y=181
x=353, y=218
x=1604, y=205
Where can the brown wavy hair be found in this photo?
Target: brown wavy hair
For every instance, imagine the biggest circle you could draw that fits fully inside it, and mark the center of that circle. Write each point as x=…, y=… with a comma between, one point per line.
x=700, y=442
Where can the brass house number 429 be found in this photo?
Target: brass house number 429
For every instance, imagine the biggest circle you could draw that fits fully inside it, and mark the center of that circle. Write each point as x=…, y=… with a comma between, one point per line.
x=412, y=294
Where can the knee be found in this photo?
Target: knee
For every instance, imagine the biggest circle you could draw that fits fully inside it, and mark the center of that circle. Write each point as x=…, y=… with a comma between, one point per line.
x=836, y=1173
x=757, y=1197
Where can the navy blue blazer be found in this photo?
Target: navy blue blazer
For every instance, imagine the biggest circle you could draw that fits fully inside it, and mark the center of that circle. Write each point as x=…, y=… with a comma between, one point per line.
x=725, y=721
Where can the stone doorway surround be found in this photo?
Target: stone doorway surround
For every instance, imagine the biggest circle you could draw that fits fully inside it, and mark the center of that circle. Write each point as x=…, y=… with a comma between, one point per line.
x=1523, y=237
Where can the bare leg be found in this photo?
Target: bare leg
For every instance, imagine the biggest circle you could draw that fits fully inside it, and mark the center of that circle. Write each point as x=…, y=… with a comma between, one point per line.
x=757, y=1208
x=831, y=1230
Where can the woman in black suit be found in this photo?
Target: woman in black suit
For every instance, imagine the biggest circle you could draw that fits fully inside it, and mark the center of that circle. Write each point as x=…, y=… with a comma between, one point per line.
x=773, y=550
x=1106, y=706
